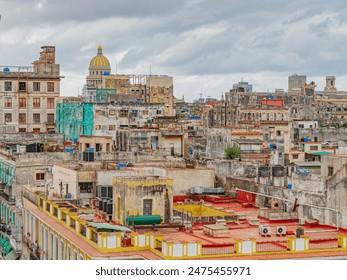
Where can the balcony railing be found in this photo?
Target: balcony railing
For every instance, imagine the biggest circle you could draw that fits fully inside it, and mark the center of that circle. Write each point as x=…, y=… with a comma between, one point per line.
x=9, y=200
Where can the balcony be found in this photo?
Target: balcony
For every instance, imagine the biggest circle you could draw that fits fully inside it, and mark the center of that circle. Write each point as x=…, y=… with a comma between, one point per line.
x=172, y=133
x=35, y=251
x=9, y=200
x=13, y=236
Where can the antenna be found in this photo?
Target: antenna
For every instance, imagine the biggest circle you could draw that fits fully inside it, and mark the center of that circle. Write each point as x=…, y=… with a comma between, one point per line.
x=116, y=66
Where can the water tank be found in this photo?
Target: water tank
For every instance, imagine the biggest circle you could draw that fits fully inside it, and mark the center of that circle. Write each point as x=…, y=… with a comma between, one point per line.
x=272, y=146
x=68, y=196
x=109, y=207
x=69, y=150
x=305, y=139
x=299, y=232
x=289, y=186
x=144, y=220
x=100, y=203
x=104, y=205
x=121, y=164
x=6, y=69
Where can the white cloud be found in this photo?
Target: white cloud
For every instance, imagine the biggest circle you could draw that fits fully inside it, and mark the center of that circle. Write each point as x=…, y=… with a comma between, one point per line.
x=205, y=45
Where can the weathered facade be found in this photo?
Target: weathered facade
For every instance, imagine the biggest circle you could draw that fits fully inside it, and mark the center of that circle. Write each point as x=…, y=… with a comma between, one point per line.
x=29, y=95
x=142, y=196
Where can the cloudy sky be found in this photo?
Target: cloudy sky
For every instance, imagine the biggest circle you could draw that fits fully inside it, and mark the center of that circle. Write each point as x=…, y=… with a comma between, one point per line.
x=206, y=45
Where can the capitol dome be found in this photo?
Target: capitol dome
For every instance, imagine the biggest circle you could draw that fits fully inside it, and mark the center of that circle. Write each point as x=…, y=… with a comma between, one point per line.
x=99, y=62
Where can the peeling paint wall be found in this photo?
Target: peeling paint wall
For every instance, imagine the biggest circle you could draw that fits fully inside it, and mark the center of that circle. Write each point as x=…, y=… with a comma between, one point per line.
x=131, y=193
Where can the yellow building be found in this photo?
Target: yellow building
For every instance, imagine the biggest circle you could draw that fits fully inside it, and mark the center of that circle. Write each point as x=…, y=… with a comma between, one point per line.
x=141, y=196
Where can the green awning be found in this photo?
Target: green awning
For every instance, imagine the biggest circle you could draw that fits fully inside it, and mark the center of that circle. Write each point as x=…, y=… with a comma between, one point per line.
x=320, y=153
x=108, y=226
x=5, y=243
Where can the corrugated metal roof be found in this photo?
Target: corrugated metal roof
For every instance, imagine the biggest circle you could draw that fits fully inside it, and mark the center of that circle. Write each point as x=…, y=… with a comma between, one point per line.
x=108, y=226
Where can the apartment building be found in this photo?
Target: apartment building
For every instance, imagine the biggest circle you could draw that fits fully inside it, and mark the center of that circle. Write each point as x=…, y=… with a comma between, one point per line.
x=28, y=95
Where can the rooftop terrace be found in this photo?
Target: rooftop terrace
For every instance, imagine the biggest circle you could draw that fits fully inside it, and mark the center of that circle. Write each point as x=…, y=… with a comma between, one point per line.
x=242, y=236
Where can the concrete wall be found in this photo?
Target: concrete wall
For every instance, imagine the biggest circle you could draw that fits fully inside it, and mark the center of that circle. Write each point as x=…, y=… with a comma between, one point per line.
x=324, y=134
x=28, y=138
x=28, y=164
x=184, y=179
x=66, y=176
x=104, y=177
x=335, y=161
x=174, y=142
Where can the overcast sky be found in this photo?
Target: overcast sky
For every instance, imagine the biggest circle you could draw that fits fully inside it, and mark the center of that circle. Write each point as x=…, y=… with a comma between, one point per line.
x=206, y=45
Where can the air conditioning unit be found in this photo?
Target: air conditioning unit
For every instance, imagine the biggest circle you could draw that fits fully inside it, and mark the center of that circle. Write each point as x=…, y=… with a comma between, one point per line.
x=281, y=230
x=265, y=230
x=48, y=169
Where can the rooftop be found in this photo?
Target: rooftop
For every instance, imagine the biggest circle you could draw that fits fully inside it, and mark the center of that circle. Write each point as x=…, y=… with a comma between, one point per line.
x=240, y=222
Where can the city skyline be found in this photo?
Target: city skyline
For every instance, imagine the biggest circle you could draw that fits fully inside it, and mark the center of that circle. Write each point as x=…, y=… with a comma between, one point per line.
x=205, y=46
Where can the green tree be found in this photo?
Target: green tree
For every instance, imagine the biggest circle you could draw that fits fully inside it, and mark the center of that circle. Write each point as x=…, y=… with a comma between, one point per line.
x=232, y=152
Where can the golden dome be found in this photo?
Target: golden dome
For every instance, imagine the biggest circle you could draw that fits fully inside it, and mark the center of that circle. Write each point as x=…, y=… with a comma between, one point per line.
x=99, y=61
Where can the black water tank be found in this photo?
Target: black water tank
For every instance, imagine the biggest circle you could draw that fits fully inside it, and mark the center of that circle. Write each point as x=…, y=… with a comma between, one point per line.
x=299, y=232
x=109, y=207
x=104, y=205
x=100, y=203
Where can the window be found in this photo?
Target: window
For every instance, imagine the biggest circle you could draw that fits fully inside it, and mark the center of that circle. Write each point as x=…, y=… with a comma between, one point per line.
x=22, y=130
x=112, y=127
x=50, y=86
x=22, y=102
x=8, y=102
x=295, y=156
x=68, y=253
x=62, y=245
x=22, y=118
x=8, y=86
x=36, y=86
x=36, y=118
x=97, y=127
x=147, y=206
x=112, y=112
x=22, y=86
x=50, y=103
x=50, y=118
x=86, y=187
x=313, y=148
x=36, y=130
x=301, y=126
x=330, y=171
x=36, y=102
x=278, y=133
x=40, y=176
x=98, y=147
x=123, y=113
x=8, y=117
